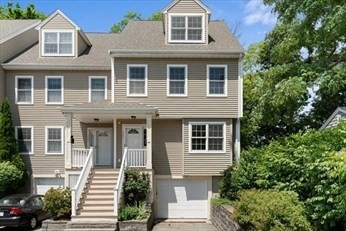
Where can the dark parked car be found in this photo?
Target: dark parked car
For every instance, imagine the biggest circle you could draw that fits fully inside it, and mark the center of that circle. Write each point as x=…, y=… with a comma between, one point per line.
x=22, y=210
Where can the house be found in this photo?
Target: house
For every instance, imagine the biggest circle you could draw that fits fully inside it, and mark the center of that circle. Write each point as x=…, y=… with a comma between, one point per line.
x=163, y=96
x=334, y=119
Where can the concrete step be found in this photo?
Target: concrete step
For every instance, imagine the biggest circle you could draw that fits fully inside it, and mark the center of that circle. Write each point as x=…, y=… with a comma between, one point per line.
x=104, y=181
x=101, y=186
x=98, y=196
x=99, y=191
x=97, y=202
x=95, y=213
x=87, y=208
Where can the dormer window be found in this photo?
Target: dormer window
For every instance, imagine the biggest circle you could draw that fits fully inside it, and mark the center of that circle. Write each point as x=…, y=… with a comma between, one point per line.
x=187, y=28
x=58, y=43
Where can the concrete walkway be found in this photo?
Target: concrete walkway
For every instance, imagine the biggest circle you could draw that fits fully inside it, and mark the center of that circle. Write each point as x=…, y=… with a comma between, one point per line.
x=168, y=226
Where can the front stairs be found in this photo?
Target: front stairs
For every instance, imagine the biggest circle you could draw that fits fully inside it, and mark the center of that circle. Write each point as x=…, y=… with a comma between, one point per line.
x=96, y=206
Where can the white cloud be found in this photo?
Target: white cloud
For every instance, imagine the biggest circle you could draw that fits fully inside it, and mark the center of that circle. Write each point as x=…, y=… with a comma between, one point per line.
x=257, y=12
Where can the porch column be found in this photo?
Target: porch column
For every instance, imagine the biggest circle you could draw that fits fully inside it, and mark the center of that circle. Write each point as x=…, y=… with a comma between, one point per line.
x=149, y=144
x=68, y=144
x=115, y=154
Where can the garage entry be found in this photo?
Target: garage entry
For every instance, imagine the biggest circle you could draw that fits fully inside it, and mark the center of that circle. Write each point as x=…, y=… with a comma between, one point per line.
x=182, y=198
x=44, y=184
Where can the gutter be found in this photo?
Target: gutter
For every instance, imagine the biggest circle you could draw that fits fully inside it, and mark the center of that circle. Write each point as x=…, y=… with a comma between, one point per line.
x=108, y=110
x=31, y=66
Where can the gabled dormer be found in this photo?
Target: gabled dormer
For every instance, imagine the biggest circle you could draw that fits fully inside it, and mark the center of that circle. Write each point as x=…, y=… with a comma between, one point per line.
x=59, y=36
x=186, y=21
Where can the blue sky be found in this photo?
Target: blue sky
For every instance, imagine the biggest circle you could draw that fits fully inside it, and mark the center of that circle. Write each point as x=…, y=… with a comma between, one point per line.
x=99, y=15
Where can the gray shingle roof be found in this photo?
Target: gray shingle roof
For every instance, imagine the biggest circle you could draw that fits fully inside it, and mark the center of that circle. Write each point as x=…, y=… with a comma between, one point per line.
x=10, y=27
x=137, y=36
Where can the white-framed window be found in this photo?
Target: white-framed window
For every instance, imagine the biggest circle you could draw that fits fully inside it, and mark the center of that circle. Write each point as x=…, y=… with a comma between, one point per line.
x=137, y=80
x=24, y=89
x=187, y=28
x=177, y=80
x=54, y=140
x=207, y=137
x=58, y=43
x=25, y=139
x=217, y=80
x=97, y=88
x=54, y=89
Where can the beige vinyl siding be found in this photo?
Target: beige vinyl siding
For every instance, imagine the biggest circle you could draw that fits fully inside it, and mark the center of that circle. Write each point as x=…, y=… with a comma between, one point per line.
x=58, y=22
x=206, y=164
x=197, y=104
x=40, y=115
x=81, y=45
x=167, y=147
x=187, y=6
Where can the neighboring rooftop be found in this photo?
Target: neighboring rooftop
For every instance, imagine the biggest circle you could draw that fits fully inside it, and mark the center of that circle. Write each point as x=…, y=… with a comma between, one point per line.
x=10, y=28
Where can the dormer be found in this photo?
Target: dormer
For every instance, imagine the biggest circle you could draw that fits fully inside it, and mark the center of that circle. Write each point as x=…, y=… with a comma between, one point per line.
x=59, y=36
x=186, y=22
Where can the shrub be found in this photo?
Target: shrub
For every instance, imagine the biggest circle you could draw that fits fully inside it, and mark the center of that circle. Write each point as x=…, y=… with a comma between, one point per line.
x=58, y=203
x=271, y=210
x=217, y=201
x=10, y=176
x=136, y=186
x=133, y=213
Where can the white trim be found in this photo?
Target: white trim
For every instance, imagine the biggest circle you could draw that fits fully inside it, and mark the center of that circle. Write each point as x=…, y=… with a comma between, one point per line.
x=240, y=87
x=185, y=66
x=330, y=118
x=113, y=78
x=113, y=147
x=145, y=80
x=31, y=77
x=62, y=140
x=62, y=89
x=167, y=8
x=58, y=36
x=97, y=77
x=226, y=78
x=207, y=137
x=186, y=15
x=32, y=138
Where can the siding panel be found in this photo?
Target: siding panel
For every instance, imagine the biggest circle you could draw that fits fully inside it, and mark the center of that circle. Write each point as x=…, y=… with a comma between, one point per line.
x=197, y=104
x=201, y=164
x=58, y=22
x=187, y=6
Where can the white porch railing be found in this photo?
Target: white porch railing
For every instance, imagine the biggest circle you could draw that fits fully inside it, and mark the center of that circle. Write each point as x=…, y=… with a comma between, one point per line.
x=137, y=157
x=83, y=177
x=119, y=187
x=79, y=156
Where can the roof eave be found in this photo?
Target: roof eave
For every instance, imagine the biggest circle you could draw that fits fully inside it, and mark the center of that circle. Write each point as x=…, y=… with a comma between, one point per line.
x=5, y=39
x=124, y=111
x=9, y=66
x=175, y=54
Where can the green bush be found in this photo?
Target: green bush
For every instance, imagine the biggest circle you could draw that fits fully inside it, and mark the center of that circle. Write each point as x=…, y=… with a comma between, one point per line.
x=58, y=203
x=133, y=213
x=271, y=211
x=10, y=176
x=217, y=201
x=136, y=186
x=312, y=164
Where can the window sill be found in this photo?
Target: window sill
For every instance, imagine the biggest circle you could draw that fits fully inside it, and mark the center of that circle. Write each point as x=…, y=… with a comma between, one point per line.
x=24, y=103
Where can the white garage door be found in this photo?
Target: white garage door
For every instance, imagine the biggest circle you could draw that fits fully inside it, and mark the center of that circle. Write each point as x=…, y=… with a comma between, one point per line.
x=182, y=198
x=44, y=184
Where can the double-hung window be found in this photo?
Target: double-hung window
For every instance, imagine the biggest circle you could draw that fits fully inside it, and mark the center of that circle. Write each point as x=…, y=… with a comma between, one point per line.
x=177, y=80
x=54, y=140
x=24, y=136
x=207, y=137
x=58, y=43
x=137, y=80
x=217, y=80
x=54, y=89
x=187, y=28
x=97, y=88
x=24, y=89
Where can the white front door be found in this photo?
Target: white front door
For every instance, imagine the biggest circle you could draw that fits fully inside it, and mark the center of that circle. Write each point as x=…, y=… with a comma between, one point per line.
x=102, y=142
x=133, y=137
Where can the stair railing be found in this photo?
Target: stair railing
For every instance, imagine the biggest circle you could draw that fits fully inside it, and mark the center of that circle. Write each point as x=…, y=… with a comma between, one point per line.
x=119, y=186
x=83, y=177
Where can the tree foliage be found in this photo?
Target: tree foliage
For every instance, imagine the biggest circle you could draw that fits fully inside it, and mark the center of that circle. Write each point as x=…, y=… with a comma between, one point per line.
x=312, y=164
x=299, y=66
x=136, y=187
x=10, y=177
x=11, y=11
x=133, y=16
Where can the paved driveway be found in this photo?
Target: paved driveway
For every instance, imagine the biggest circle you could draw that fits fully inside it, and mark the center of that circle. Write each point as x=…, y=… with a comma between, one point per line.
x=168, y=226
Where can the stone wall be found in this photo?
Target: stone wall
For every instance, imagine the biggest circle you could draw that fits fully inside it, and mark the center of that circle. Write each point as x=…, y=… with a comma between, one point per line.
x=221, y=218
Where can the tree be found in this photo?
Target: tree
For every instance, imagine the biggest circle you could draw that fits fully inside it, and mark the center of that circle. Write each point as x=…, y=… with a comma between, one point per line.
x=8, y=143
x=16, y=12
x=132, y=16
x=305, y=51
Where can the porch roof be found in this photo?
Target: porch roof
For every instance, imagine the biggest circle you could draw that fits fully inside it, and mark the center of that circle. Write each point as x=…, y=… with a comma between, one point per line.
x=109, y=109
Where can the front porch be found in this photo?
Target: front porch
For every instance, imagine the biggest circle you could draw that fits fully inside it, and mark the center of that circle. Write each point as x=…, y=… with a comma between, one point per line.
x=115, y=136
